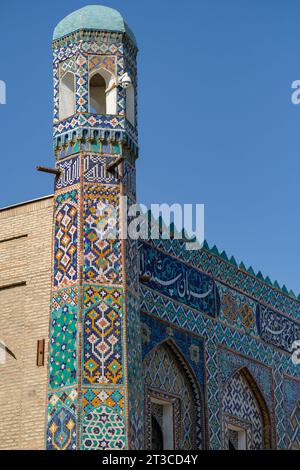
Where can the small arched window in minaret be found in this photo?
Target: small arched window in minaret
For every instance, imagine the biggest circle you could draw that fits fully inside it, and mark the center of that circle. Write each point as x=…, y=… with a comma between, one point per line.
x=102, y=93
x=67, y=96
x=130, y=104
x=97, y=94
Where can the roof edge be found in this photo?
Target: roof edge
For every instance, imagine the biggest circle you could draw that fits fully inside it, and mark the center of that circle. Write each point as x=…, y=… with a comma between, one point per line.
x=30, y=201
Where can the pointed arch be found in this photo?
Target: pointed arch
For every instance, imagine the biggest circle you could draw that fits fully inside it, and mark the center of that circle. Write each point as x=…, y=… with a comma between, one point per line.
x=102, y=92
x=67, y=96
x=245, y=412
x=170, y=384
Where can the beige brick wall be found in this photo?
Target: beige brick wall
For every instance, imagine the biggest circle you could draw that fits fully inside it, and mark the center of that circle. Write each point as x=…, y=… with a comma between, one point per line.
x=25, y=256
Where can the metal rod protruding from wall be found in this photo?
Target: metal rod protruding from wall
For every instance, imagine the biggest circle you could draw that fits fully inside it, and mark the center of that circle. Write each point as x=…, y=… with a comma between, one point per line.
x=53, y=171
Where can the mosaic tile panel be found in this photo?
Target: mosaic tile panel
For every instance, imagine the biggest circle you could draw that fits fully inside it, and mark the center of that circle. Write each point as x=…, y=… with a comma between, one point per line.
x=61, y=420
x=226, y=272
x=103, y=429
x=276, y=329
x=103, y=419
x=192, y=346
x=66, y=66
x=174, y=279
x=66, y=238
x=294, y=428
x=132, y=264
x=102, y=336
x=292, y=412
x=102, y=61
x=213, y=391
x=70, y=172
x=82, y=84
x=121, y=93
x=102, y=46
x=238, y=401
x=237, y=309
x=95, y=169
x=102, y=248
x=63, y=338
x=87, y=121
x=55, y=91
x=112, y=397
x=129, y=178
x=230, y=363
x=134, y=364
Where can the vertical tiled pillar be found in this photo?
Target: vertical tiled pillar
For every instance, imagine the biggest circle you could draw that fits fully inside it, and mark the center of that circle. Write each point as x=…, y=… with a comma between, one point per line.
x=95, y=382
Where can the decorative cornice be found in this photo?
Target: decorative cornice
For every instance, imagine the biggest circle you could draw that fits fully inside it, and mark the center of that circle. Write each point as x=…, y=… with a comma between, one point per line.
x=250, y=271
x=102, y=36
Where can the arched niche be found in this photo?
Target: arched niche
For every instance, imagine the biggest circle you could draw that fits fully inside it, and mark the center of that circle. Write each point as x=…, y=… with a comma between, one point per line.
x=102, y=92
x=246, y=423
x=67, y=96
x=172, y=399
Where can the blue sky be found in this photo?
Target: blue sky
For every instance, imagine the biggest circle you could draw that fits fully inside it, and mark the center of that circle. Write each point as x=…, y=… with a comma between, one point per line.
x=216, y=121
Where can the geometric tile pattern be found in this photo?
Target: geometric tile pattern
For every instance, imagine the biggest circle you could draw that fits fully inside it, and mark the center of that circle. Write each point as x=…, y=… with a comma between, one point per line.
x=63, y=338
x=81, y=93
x=93, y=295
x=70, y=172
x=102, y=61
x=191, y=346
x=92, y=398
x=230, y=363
x=294, y=428
x=102, y=338
x=61, y=420
x=56, y=81
x=135, y=381
x=132, y=264
x=239, y=402
x=237, y=310
x=291, y=403
x=129, y=179
x=67, y=66
x=95, y=169
x=103, y=429
x=66, y=238
x=103, y=423
x=102, y=247
x=95, y=122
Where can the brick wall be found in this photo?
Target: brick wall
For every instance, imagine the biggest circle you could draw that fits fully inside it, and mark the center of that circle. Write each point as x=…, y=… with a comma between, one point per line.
x=25, y=273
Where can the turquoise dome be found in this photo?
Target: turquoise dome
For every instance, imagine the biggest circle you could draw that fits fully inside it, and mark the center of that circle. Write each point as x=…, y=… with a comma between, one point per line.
x=93, y=17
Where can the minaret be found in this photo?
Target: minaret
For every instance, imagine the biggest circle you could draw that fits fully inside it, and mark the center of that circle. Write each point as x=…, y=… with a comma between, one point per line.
x=95, y=393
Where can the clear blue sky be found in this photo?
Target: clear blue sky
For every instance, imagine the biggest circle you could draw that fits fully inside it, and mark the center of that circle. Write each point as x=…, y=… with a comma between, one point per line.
x=216, y=122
